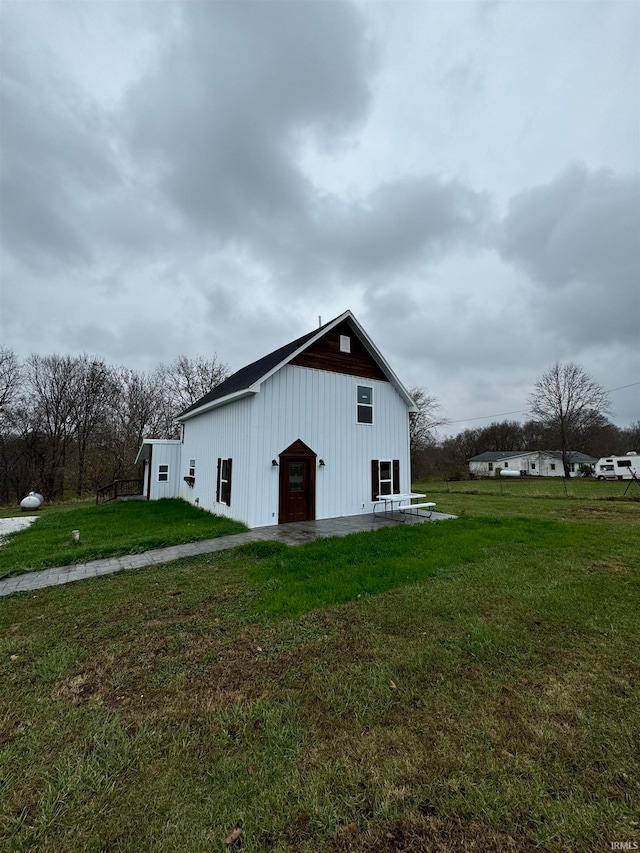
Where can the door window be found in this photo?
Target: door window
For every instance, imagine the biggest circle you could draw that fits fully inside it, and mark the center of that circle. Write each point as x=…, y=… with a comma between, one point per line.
x=296, y=476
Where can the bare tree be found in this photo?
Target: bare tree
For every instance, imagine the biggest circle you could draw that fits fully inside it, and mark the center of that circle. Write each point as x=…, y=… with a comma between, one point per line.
x=424, y=423
x=95, y=389
x=9, y=377
x=422, y=427
x=49, y=396
x=502, y=436
x=571, y=403
x=137, y=411
x=184, y=382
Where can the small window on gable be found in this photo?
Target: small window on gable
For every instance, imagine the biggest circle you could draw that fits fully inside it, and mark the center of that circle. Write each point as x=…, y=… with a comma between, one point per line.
x=553, y=466
x=365, y=404
x=345, y=343
x=163, y=473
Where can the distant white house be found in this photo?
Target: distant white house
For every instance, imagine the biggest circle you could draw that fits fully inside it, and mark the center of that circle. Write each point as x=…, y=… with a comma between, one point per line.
x=534, y=463
x=316, y=429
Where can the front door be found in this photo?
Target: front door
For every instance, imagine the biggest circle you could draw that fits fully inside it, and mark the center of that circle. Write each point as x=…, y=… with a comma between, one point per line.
x=297, y=484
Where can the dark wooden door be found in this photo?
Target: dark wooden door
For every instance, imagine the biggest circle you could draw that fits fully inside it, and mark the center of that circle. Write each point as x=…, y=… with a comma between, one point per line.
x=295, y=482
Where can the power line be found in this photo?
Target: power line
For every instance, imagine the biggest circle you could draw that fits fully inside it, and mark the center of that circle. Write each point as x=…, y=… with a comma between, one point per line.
x=524, y=411
x=630, y=385
x=486, y=417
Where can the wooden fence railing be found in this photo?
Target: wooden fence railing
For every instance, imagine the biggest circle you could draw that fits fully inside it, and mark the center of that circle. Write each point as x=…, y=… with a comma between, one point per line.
x=119, y=489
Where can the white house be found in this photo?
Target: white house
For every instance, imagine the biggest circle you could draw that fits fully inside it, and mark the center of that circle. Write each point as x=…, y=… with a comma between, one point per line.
x=314, y=430
x=535, y=463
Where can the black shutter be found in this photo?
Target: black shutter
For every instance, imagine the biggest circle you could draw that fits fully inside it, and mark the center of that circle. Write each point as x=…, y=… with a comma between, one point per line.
x=375, y=479
x=228, y=482
x=218, y=480
x=396, y=476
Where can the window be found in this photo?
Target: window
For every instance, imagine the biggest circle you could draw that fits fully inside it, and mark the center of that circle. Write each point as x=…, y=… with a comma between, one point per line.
x=223, y=491
x=385, y=477
x=491, y=466
x=192, y=467
x=533, y=466
x=345, y=343
x=163, y=473
x=623, y=463
x=572, y=467
x=553, y=466
x=365, y=404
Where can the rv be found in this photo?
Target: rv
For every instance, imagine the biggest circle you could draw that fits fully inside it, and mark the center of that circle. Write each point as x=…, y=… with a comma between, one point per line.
x=618, y=467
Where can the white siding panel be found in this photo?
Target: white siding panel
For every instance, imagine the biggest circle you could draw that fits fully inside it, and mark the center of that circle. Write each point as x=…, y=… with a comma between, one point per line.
x=222, y=433
x=319, y=408
x=165, y=454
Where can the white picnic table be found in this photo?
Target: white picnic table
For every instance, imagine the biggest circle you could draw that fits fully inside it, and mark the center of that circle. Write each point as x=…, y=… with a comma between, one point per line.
x=403, y=503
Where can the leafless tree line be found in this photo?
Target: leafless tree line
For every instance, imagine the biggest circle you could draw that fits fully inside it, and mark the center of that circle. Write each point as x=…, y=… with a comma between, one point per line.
x=70, y=424
x=568, y=413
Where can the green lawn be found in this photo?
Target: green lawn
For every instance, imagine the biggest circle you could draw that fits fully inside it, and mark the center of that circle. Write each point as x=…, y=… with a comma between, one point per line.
x=528, y=487
x=464, y=685
x=116, y=528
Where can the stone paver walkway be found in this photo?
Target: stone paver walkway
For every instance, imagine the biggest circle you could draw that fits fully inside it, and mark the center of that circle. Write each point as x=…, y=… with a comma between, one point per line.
x=296, y=533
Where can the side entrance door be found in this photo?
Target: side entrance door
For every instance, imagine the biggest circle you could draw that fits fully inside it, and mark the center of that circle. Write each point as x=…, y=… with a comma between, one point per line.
x=297, y=484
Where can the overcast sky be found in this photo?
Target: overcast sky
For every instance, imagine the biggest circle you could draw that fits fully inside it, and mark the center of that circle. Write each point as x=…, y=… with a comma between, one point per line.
x=210, y=177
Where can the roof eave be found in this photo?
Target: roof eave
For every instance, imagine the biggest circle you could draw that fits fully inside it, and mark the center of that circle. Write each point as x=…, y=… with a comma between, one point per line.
x=144, y=453
x=222, y=401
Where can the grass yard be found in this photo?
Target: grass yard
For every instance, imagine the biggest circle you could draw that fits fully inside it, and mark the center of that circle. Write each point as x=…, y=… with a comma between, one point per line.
x=542, y=487
x=116, y=528
x=471, y=685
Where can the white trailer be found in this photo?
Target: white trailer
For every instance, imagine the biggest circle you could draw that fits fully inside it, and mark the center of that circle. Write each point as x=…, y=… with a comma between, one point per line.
x=618, y=467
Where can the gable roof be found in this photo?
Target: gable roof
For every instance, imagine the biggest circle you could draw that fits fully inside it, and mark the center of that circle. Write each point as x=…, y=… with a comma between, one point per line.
x=248, y=379
x=497, y=455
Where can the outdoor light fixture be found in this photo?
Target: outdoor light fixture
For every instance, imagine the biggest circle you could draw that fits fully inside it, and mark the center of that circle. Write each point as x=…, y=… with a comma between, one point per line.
x=321, y=463
x=274, y=463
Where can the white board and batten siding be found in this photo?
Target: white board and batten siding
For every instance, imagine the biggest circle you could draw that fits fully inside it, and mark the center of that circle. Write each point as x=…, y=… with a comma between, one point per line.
x=317, y=407
x=222, y=433
x=162, y=471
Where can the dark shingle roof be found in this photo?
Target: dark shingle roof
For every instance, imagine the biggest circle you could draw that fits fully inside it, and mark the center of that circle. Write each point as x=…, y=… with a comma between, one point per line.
x=496, y=455
x=249, y=375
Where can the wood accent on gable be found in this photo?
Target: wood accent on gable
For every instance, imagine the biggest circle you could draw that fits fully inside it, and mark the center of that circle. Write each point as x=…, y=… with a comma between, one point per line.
x=298, y=448
x=325, y=355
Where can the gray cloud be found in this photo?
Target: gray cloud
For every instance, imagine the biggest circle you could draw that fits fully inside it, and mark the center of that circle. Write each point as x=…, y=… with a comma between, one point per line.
x=403, y=222
x=54, y=159
x=221, y=120
x=578, y=237
x=220, y=116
